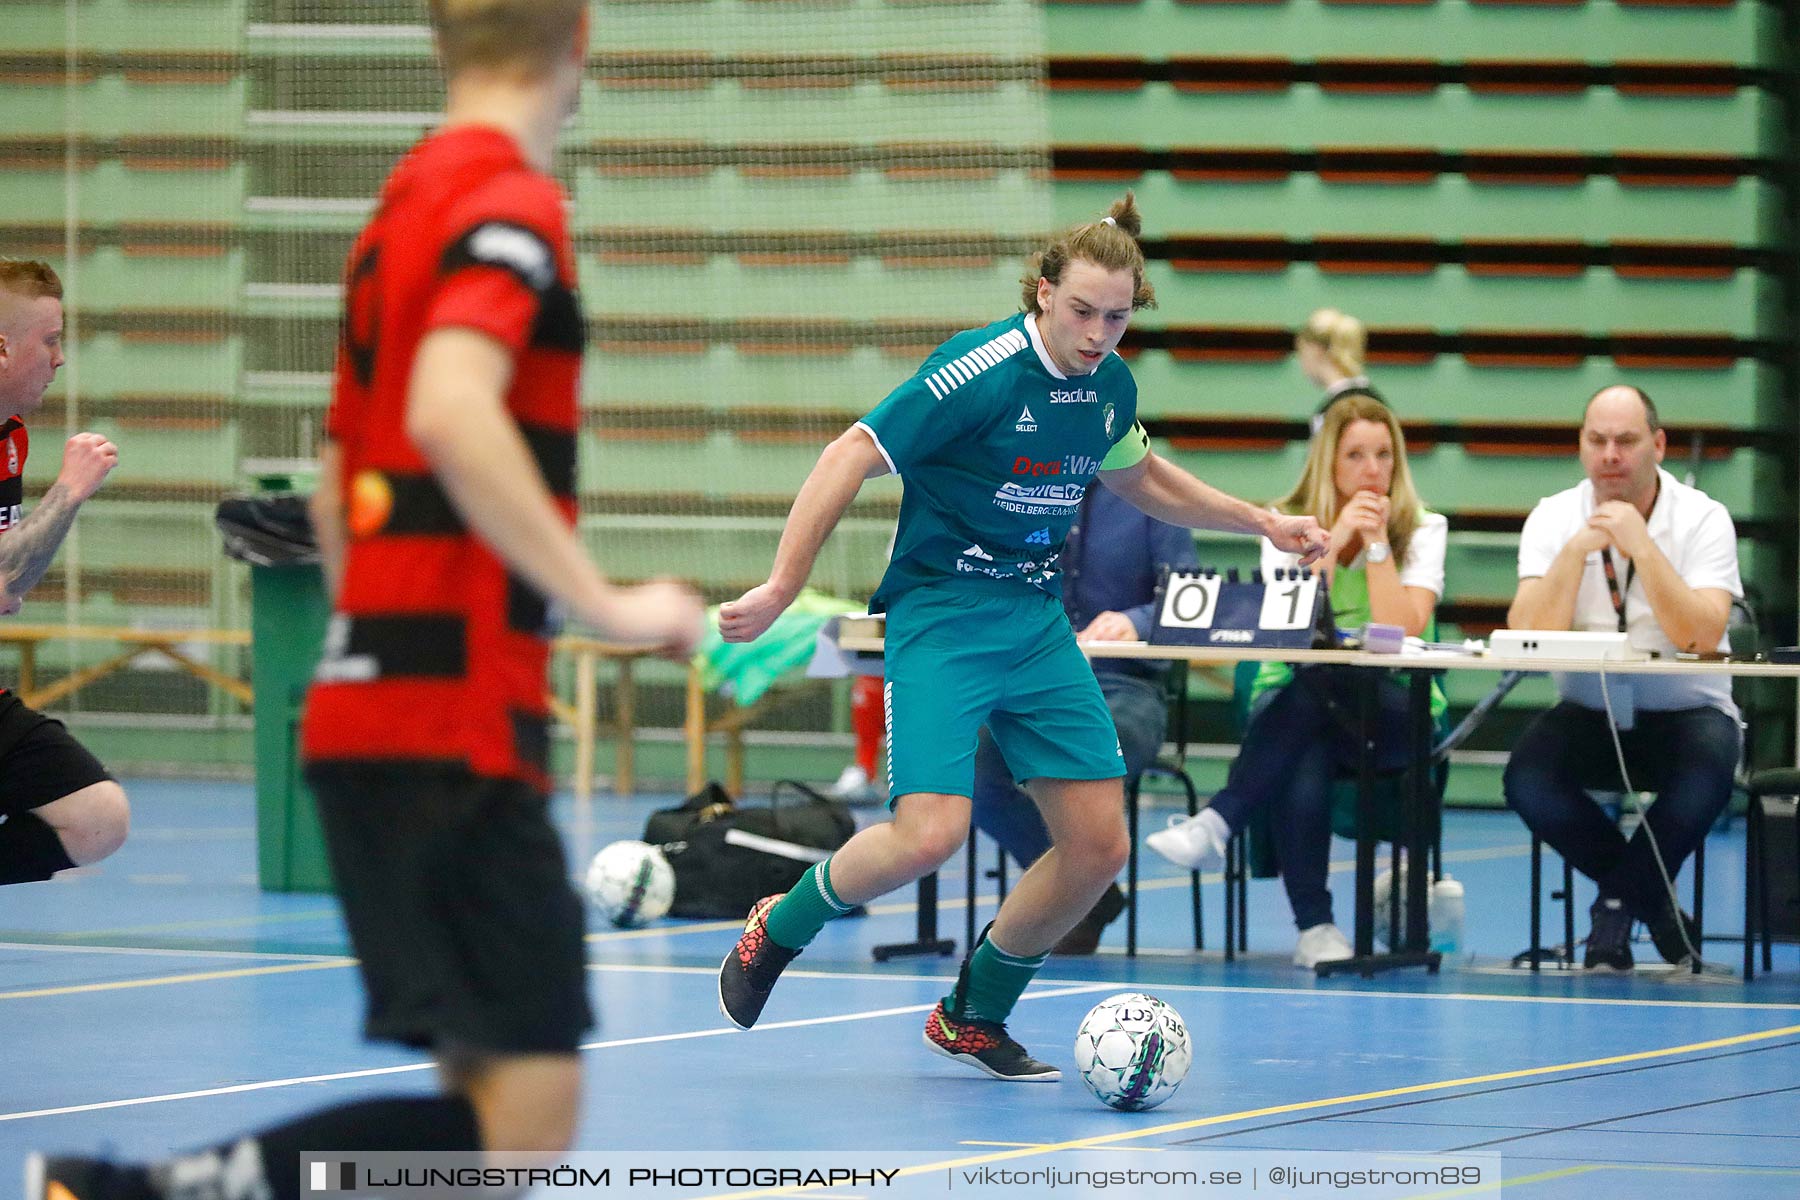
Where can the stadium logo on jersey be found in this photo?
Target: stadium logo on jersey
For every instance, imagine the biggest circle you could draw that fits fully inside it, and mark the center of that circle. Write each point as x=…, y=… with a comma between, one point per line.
x=1044, y=500
x=1077, y=396
x=1038, y=537
x=1027, y=422
x=516, y=248
x=976, y=551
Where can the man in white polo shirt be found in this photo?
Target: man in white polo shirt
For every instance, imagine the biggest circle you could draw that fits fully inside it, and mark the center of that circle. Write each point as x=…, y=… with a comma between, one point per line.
x=1630, y=549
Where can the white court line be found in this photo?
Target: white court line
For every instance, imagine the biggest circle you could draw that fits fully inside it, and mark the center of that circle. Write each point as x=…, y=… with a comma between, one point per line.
x=1042, y=989
x=405, y=1068
x=164, y=952
x=1226, y=989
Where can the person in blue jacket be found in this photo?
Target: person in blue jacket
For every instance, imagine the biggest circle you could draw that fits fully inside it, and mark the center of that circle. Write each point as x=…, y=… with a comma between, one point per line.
x=1112, y=561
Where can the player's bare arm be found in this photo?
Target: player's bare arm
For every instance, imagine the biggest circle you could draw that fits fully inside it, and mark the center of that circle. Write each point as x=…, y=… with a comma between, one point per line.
x=1165, y=491
x=27, y=550
x=829, y=488
x=456, y=415
x=326, y=509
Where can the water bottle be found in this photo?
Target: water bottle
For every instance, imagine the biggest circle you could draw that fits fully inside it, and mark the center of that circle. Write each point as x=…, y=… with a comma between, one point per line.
x=1446, y=917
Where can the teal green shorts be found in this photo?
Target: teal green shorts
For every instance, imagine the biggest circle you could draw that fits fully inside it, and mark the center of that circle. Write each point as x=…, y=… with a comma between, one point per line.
x=959, y=658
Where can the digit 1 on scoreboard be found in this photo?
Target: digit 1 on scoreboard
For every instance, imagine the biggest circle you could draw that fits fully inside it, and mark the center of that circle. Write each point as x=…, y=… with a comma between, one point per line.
x=1288, y=603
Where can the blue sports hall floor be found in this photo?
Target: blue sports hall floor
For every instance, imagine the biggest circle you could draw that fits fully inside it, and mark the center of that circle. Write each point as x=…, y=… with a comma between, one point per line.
x=163, y=1001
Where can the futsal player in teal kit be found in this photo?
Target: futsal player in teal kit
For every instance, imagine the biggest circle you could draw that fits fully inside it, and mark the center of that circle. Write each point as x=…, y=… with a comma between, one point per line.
x=996, y=438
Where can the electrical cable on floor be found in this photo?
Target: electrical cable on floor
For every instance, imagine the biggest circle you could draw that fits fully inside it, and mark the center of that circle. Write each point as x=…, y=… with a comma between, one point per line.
x=1643, y=815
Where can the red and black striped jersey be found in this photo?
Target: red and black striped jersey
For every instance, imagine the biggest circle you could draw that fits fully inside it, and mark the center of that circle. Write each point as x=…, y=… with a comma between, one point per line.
x=15, y=444
x=435, y=651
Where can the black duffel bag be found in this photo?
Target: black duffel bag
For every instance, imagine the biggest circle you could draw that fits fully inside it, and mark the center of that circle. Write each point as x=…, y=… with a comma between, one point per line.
x=728, y=857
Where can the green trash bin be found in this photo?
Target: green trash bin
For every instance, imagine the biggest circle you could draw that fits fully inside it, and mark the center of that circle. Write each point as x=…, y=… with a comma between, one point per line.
x=288, y=612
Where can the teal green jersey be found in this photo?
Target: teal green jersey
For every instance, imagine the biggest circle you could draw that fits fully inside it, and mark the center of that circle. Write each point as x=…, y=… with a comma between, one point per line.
x=995, y=447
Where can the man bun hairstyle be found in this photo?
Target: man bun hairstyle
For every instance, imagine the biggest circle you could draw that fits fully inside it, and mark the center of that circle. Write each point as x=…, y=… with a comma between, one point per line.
x=1341, y=336
x=1110, y=243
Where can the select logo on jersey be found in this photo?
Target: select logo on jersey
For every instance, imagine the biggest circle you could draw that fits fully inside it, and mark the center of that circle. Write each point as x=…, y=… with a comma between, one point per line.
x=1078, y=396
x=1109, y=422
x=1043, y=500
x=12, y=458
x=1027, y=422
x=502, y=244
x=975, y=551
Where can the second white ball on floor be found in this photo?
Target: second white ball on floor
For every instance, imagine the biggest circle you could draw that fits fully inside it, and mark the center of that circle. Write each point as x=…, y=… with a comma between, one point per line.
x=631, y=883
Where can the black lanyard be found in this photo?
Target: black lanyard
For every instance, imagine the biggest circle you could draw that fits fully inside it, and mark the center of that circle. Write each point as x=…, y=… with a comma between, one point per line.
x=1612, y=584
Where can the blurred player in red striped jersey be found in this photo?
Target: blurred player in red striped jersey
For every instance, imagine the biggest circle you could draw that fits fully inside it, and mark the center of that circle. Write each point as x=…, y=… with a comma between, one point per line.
x=445, y=516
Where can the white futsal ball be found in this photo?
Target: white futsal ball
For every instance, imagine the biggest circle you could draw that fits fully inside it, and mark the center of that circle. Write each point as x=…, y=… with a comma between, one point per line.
x=632, y=883
x=1383, y=897
x=1132, y=1051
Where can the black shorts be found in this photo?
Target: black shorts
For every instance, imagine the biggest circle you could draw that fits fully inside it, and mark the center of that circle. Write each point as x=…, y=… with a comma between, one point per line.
x=459, y=906
x=39, y=760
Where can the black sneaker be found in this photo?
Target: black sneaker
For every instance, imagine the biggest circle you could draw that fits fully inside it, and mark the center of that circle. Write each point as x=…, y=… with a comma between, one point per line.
x=1677, y=938
x=1609, y=937
x=749, y=972
x=986, y=1046
x=68, y=1178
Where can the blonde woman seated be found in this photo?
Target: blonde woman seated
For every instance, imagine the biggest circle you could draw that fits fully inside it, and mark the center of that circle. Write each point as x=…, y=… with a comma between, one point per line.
x=1331, y=347
x=1385, y=563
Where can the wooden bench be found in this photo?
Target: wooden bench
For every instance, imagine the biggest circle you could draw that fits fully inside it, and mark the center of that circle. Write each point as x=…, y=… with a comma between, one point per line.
x=580, y=713
x=136, y=642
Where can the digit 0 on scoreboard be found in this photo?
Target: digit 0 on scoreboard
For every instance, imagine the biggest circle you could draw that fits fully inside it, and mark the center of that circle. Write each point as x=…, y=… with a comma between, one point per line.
x=1190, y=601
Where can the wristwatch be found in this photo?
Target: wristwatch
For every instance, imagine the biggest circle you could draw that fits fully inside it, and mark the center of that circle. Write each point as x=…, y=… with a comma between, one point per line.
x=1377, y=552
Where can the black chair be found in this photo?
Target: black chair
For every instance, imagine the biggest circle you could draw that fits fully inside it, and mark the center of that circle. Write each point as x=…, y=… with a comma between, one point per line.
x=1563, y=956
x=1746, y=638
x=1536, y=954
x=1764, y=920
x=1250, y=853
x=1173, y=768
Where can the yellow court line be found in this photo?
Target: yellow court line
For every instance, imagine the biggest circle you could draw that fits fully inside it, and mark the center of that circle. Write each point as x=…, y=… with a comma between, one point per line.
x=1276, y=1110
x=197, y=977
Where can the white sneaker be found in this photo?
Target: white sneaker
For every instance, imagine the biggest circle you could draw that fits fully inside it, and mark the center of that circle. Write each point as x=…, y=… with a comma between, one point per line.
x=1193, y=842
x=855, y=787
x=1322, y=943
x=854, y=779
